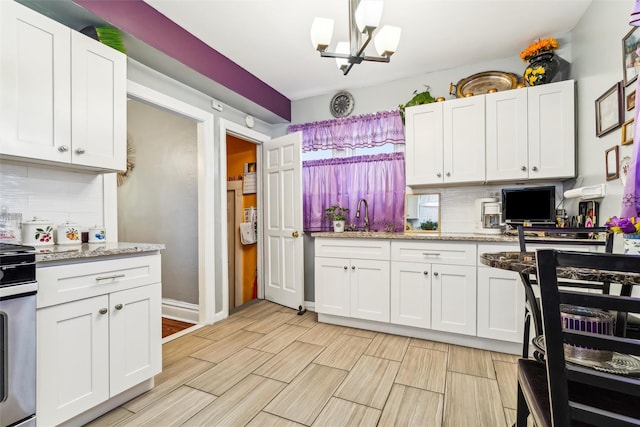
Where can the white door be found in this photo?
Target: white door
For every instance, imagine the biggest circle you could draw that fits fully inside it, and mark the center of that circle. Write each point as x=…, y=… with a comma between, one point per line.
x=283, y=249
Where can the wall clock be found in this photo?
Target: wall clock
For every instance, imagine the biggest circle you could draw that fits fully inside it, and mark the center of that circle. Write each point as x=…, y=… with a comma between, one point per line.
x=341, y=104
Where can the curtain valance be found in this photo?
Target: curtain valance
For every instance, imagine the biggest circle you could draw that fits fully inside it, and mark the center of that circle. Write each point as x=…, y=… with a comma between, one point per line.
x=365, y=130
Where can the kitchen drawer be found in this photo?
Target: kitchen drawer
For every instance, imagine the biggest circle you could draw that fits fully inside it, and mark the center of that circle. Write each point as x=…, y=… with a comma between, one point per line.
x=438, y=253
x=68, y=282
x=352, y=248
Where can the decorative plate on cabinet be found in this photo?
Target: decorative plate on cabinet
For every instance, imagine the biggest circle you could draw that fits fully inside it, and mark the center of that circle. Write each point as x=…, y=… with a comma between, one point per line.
x=341, y=104
x=481, y=83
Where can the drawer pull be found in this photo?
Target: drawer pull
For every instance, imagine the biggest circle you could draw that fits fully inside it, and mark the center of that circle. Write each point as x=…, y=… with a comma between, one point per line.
x=115, y=276
x=103, y=311
x=119, y=306
x=425, y=272
x=431, y=253
x=353, y=267
x=435, y=274
x=345, y=267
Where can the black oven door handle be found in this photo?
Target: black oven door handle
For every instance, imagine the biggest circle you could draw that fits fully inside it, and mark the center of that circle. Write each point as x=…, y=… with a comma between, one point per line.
x=4, y=378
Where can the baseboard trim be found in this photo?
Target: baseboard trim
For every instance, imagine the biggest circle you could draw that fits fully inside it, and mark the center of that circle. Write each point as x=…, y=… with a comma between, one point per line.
x=180, y=310
x=310, y=305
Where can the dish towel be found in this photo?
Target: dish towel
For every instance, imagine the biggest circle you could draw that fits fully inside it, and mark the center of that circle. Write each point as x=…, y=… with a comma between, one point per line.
x=247, y=233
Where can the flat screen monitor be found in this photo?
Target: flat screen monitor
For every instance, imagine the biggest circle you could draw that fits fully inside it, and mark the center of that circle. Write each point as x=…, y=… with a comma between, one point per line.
x=534, y=205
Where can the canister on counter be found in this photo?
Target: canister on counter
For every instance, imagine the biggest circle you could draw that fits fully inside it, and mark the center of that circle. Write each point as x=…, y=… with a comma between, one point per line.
x=68, y=233
x=97, y=234
x=10, y=227
x=37, y=232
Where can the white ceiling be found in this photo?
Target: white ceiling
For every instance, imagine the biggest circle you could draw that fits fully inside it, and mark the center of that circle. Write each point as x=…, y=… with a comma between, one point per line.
x=270, y=38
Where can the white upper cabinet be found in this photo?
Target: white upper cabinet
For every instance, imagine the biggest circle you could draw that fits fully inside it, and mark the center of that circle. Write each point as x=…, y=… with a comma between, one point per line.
x=552, y=148
x=445, y=142
x=507, y=140
x=531, y=133
x=424, y=151
x=512, y=135
x=62, y=94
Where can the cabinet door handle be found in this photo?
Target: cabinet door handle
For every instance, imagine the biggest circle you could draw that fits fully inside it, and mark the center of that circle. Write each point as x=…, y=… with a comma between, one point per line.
x=425, y=272
x=345, y=267
x=79, y=150
x=431, y=253
x=114, y=276
x=63, y=148
x=435, y=274
x=448, y=173
x=439, y=175
x=103, y=311
x=535, y=168
x=353, y=267
x=523, y=168
x=119, y=306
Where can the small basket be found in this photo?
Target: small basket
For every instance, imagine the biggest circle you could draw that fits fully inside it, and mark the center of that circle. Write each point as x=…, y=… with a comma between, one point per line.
x=587, y=320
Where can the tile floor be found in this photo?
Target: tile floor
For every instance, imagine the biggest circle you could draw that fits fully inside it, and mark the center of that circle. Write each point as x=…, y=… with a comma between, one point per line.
x=267, y=366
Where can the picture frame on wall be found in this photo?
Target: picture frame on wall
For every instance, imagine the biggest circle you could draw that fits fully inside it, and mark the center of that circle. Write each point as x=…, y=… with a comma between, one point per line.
x=631, y=100
x=611, y=163
x=631, y=56
x=627, y=132
x=609, y=110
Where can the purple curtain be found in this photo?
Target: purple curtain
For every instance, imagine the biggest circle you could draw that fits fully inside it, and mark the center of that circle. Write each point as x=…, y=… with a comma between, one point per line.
x=631, y=191
x=379, y=179
x=366, y=130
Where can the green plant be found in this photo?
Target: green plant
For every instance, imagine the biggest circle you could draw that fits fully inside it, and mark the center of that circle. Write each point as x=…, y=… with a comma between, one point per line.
x=336, y=213
x=429, y=225
x=418, y=99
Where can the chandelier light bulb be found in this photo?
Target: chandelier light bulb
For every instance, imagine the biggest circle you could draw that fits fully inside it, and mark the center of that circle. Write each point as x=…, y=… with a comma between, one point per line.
x=321, y=33
x=387, y=39
x=368, y=14
x=342, y=47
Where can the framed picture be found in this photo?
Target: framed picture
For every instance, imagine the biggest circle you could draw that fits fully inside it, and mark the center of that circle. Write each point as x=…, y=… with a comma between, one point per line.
x=631, y=56
x=627, y=132
x=611, y=163
x=631, y=100
x=609, y=110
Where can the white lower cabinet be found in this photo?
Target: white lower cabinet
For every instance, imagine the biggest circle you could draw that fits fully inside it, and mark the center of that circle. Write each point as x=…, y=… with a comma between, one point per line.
x=411, y=294
x=501, y=300
x=453, y=298
x=438, y=286
x=93, y=348
x=352, y=278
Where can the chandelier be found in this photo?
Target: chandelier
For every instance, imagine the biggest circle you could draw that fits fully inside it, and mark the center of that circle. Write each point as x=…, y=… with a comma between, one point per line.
x=364, y=18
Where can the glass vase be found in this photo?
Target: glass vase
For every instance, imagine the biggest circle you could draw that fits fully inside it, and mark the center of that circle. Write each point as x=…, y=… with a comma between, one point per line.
x=542, y=69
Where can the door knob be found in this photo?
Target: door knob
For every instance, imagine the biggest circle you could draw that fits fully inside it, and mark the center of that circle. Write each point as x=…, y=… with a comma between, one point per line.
x=448, y=173
x=535, y=168
x=523, y=168
x=435, y=274
x=63, y=148
x=118, y=306
x=295, y=234
x=345, y=267
x=439, y=175
x=425, y=272
x=80, y=151
x=103, y=311
x=353, y=267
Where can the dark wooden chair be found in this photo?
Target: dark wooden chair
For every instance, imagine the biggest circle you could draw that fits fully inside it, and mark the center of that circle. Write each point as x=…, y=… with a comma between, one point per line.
x=557, y=393
x=599, y=238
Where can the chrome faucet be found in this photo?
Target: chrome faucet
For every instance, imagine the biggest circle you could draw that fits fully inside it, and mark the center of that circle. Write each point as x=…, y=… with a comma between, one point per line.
x=366, y=213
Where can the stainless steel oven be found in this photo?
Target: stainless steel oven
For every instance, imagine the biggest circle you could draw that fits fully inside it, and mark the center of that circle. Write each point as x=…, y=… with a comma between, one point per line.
x=18, y=289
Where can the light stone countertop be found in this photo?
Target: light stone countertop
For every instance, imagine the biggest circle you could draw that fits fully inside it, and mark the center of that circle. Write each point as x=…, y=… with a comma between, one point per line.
x=92, y=250
x=466, y=237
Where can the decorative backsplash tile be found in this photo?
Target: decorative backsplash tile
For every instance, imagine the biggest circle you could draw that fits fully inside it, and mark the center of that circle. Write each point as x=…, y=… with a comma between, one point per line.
x=51, y=193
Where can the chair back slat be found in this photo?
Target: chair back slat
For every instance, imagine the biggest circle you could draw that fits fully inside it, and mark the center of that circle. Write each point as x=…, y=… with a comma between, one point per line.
x=585, y=398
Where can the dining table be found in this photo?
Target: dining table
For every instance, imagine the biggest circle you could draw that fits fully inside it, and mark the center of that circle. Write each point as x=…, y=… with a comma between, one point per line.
x=524, y=263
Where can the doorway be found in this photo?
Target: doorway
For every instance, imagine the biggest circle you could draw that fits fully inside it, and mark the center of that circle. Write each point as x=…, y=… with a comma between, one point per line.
x=158, y=201
x=242, y=208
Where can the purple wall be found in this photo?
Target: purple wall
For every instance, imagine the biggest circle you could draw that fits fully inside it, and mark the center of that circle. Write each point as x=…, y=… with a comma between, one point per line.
x=148, y=25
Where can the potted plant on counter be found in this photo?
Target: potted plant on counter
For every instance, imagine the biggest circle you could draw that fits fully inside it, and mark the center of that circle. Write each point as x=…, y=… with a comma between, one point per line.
x=336, y=214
